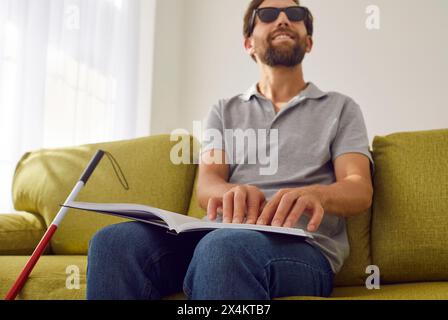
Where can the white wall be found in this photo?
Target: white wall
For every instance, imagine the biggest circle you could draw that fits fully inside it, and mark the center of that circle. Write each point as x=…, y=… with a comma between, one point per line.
x=167, y=68
x=397, y=74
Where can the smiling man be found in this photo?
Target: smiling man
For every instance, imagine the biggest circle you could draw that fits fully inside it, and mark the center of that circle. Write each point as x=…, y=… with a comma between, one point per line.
x=323, y=175
x=324, y=164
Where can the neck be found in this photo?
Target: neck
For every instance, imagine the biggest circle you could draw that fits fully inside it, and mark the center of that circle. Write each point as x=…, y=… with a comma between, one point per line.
x=281, y=84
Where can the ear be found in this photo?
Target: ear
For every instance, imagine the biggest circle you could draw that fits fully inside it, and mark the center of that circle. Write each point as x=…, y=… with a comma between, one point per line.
x=248, y=46
x=309, y=43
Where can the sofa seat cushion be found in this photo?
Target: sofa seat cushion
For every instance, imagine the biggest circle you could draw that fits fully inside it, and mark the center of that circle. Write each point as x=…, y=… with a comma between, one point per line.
x=404, y=291
x=48, y=279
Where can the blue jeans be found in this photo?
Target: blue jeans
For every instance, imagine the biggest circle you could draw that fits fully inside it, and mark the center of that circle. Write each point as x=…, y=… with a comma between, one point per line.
x=134, y=260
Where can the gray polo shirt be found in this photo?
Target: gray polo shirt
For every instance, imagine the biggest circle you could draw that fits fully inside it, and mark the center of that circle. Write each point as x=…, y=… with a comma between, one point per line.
x=312, y=130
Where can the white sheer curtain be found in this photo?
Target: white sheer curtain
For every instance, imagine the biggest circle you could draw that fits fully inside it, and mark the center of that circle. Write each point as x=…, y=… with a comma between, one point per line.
x=71, y=72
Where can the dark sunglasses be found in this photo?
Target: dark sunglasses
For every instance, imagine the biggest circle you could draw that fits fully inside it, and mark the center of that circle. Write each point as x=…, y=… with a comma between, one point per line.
x=270, y=14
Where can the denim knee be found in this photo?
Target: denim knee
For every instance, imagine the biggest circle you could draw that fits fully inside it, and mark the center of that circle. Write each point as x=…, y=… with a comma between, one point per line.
x=108, y=238
x=224, y=265
x=101, y=239
x=125, y=239
x=116, y=259
x=221, y=249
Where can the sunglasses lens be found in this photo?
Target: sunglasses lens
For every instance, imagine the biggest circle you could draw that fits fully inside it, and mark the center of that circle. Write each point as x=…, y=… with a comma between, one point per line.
x=296, y=14
x=268, y=15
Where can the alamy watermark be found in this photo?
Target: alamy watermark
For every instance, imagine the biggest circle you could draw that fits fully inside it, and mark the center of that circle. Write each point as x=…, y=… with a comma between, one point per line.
x=250, y=146
x=72, y=280
x=373, y=21
x=373, y=280
x=72, y=17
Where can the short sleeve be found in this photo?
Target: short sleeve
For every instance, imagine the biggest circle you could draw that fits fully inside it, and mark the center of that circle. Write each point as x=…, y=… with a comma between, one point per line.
x=213, y=130
x=351, y=136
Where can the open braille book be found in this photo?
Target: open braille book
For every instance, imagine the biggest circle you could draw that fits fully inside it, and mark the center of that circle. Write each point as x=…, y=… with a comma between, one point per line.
x=176, y=223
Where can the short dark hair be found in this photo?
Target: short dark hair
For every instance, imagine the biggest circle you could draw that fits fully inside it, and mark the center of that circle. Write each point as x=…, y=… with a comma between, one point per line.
x=254, y=4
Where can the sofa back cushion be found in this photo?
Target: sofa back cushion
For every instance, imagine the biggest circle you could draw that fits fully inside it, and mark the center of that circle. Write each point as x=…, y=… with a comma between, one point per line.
x=358, y=230
x=44, y=178
x=410, y=208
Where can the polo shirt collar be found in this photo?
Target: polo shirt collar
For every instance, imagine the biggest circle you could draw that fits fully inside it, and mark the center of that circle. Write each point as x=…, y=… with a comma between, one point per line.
x=310, y=92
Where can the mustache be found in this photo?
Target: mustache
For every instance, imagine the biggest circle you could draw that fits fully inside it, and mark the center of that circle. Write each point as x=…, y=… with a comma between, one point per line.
x=286, y=31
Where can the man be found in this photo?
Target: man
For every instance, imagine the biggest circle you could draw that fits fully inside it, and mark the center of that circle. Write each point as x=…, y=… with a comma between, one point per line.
x=323, y=175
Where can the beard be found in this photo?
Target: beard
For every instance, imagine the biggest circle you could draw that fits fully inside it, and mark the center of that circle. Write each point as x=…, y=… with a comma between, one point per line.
x=285, y=55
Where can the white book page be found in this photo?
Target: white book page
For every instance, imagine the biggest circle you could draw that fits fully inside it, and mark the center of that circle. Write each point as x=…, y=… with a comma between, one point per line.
x=135, y=211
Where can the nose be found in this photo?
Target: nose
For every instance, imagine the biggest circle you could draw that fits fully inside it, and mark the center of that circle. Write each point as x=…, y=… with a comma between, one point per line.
x=282, y=19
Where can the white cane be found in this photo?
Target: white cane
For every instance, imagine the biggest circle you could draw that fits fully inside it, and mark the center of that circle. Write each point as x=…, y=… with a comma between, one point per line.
x=19, y=283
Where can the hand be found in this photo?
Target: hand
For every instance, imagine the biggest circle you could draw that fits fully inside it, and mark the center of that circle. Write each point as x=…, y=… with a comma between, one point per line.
x=236, y=203
x=287, y=206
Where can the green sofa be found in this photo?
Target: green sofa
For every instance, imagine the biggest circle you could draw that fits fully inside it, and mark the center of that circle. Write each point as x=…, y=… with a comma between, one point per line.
x=404, y=233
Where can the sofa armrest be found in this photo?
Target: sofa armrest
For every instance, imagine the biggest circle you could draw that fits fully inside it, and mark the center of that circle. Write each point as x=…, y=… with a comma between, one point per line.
x=20, y=233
